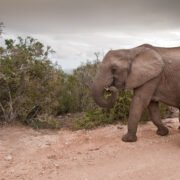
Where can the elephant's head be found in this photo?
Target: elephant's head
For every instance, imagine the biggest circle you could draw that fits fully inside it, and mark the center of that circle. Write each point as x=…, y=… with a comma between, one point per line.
x=125, y=69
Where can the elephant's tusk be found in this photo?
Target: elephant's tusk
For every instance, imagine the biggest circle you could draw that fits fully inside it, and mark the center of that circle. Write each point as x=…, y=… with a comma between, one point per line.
x=111, y=89
x=107, y=88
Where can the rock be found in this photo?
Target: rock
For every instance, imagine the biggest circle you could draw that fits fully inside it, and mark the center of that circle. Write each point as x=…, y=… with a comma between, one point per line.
x=56, y=165
x=12, y=171
x=53, y=156
x=68, y=114
x=48, y=143
x=8, y=157
x=73, y=158
x=174, y=112
x=119, y=127
x=94, y=149
x=169, y=126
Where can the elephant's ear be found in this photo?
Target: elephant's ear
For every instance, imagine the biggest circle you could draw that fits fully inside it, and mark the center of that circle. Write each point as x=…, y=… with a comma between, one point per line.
x=146, y=64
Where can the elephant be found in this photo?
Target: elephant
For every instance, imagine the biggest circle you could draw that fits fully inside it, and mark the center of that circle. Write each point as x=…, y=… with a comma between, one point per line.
x=151, y=72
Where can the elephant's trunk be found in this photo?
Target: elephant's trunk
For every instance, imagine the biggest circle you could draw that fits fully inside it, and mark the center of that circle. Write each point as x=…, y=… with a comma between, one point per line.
x=98, y=95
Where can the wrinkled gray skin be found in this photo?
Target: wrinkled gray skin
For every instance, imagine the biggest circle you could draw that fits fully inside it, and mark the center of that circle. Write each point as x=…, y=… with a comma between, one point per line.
x=153, y=73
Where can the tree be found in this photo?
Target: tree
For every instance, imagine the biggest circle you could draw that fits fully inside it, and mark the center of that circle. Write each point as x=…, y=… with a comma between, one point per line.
x=27, y=79
x=1, y=26
x=84, y=76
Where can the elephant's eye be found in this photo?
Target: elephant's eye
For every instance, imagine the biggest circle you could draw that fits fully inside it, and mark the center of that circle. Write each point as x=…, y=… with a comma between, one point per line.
x=113, y=70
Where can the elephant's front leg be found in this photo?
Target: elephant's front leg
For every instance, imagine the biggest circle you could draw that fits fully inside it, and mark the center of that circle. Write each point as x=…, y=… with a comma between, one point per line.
x=137, y=107
x=141, y=99
x=156, y=119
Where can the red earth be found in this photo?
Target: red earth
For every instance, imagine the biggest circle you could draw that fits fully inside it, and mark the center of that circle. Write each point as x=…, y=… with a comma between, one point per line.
x=27, y=154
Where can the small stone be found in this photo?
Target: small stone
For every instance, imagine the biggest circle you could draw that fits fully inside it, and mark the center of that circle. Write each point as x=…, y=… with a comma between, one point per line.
x=94, y=149
x=73, y=158
x=8, y=158
x=53, y=156
x=56, y=165
x=12, y=170
x=48, y=143
x=120, y=127
x=41, y=173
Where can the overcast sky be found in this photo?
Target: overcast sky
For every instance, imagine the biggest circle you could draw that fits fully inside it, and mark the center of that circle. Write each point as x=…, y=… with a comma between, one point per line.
x=76, y=29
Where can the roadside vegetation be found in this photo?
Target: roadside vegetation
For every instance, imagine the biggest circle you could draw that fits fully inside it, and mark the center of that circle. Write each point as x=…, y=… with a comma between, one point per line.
x=38, y=93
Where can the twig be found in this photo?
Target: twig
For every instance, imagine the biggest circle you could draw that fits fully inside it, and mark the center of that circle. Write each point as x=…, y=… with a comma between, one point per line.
x=3, y=110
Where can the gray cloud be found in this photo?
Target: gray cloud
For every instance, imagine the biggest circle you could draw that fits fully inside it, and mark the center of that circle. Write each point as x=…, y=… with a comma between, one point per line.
x=83, y=15
x=76, y=29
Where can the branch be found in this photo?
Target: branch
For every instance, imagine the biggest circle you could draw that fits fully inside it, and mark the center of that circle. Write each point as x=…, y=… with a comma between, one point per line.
x=4, y=112
x=1, y=26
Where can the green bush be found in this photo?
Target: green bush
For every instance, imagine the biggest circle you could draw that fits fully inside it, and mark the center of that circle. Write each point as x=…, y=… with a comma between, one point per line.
x=45, y=121
x=99, y=117
x=119, y=113
x=28, y=78
x=93, y=119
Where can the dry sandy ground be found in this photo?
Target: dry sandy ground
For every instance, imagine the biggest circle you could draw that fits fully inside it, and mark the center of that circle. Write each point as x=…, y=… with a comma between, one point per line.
x=89, y=155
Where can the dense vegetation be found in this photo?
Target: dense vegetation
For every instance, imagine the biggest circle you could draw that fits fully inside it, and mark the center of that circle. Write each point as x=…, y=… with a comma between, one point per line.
x=36, y=92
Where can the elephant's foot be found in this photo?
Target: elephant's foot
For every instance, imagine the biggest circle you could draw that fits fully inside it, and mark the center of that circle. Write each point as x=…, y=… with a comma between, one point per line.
x=163, y=131
x=129, y=138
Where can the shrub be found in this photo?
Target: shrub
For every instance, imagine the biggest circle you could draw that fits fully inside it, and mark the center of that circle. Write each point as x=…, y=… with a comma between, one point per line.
x=45, y=121
x=27, y=79
x=119, y=113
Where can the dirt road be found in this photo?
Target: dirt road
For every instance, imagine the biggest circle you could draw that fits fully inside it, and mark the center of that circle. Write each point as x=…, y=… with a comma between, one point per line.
x=89, y=155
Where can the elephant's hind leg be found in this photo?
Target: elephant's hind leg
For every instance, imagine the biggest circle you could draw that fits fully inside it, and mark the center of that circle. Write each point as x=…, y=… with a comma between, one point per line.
x=155, y=117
